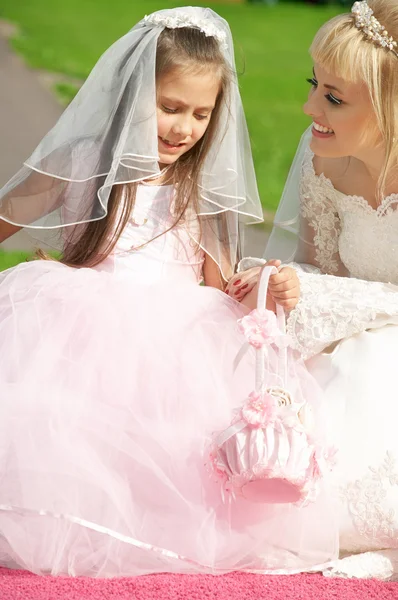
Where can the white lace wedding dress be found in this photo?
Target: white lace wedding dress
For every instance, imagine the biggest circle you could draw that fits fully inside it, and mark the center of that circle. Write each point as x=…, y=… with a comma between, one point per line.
x=346, y=326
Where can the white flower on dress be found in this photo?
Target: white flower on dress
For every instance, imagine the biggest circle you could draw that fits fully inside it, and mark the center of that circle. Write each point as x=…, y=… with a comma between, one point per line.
x=365, y=501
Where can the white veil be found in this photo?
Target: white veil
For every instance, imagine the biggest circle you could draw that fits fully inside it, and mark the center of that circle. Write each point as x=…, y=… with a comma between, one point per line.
x=290, y=236
x=108, y=136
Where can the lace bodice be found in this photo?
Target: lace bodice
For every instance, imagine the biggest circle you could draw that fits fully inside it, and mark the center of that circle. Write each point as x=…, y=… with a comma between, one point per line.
x=348, y=232
x=351, y=285
x=169, y=254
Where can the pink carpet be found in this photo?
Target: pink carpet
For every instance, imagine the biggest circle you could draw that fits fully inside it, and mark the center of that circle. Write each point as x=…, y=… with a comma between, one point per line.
x=19, y=585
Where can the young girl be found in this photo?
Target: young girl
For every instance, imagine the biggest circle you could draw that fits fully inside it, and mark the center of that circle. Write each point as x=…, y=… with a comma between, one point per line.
x=114, y=375
x=338, y=218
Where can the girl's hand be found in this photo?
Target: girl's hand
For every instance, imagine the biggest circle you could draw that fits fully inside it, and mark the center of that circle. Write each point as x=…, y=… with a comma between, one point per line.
x=284, y=288
x=242, y=284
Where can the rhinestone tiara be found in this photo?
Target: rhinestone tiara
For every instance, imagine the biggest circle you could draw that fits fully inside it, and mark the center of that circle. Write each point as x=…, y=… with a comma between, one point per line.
x=371, y=27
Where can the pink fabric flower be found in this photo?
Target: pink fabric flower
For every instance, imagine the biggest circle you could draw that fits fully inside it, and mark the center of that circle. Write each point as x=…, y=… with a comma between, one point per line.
x=259, y=409
x=259, y=327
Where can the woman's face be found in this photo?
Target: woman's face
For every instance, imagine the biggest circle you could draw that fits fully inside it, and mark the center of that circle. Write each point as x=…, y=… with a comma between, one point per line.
x=344, y=122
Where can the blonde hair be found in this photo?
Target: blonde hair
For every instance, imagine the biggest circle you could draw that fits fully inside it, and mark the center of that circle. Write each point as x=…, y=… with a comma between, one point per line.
x=342, y=49
x=181, y=49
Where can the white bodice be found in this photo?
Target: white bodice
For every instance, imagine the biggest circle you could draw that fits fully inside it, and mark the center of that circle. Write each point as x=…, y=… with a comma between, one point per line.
x=368, y=243
x=349, y=231
x=173, y=255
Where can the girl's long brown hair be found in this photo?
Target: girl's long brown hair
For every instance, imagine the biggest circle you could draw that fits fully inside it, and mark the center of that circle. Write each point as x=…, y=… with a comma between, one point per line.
x=181, y=50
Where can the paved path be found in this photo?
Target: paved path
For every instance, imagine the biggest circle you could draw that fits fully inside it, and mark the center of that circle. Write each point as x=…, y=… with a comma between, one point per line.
x=27, y=111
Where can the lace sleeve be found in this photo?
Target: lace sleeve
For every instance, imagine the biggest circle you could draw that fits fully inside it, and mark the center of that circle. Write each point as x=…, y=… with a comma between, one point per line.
x=333, y=308
x=319, y=222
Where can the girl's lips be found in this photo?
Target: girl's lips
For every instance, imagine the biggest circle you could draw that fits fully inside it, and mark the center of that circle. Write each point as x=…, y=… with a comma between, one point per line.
x=171, y=147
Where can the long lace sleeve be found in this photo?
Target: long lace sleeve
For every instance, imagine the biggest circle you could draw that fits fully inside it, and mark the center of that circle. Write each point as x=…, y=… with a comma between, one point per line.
x=333, y=308
x=320, y=225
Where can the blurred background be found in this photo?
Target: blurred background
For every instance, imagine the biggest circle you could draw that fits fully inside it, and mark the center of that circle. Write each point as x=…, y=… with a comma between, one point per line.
x=48, y=47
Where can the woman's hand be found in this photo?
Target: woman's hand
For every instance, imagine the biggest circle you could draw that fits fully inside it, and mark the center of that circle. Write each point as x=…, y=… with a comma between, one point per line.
x=284, y=288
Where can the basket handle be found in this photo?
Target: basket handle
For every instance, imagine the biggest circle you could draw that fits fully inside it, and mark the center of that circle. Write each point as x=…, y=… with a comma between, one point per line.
x=261, y=353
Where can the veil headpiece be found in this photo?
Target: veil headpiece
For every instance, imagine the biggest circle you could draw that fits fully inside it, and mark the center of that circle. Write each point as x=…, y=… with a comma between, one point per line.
x=108, y=136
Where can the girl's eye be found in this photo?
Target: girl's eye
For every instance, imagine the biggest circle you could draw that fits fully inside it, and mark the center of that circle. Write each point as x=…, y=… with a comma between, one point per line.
x=333, y=99
x=312, y=81
x=201, y=117
x=169, y=110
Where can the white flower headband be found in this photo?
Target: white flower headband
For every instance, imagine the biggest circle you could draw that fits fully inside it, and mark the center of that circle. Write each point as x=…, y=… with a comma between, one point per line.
x=186, y=20
x=371, y=27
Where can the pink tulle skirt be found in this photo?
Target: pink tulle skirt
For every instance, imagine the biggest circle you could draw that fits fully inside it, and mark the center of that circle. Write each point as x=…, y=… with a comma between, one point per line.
x=110, y=393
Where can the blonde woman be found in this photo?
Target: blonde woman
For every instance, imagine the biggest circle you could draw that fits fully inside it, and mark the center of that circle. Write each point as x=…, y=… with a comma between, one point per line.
x=338, y=222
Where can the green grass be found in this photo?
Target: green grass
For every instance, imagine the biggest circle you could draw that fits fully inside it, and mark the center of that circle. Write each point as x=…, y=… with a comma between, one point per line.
x=68, y=36
x=65, y=92
x=10, y=259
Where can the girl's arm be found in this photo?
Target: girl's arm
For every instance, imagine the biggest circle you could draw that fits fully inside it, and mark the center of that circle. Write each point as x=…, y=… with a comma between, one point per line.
x=212, y=275
x=35, y=197
x=7, y=230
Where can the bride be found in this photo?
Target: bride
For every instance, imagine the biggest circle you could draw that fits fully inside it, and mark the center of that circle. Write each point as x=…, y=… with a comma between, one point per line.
x=338, y=223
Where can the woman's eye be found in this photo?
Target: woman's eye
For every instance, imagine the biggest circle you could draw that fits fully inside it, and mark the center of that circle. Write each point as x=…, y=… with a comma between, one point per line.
x=312, y=81
x=201, y=117
x=331, y=98
x=169, y=110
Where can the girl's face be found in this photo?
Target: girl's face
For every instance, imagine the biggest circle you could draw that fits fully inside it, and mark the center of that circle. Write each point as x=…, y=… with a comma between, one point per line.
x=342, y=115
x=184, y=106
